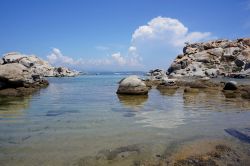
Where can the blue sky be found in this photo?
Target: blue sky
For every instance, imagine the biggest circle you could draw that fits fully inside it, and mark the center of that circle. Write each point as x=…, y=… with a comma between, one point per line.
x=116, y=34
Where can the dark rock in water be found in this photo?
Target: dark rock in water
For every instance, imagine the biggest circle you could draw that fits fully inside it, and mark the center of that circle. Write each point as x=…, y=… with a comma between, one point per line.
x=191, y=90
x=239, y=63
x=112, y=154
x=245, y=137
x=230, y=94
x=247, y=66
x=231, y=85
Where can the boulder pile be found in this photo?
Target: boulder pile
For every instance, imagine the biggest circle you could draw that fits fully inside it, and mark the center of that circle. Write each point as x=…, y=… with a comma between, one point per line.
x=22, y=75
x=212, y=59
x=37, y=65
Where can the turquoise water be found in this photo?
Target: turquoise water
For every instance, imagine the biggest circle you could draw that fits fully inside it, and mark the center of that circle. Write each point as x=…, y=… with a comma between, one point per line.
x=81, y=116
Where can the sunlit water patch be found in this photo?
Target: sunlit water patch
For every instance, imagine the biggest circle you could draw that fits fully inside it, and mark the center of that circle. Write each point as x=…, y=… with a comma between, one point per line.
x=83, y=116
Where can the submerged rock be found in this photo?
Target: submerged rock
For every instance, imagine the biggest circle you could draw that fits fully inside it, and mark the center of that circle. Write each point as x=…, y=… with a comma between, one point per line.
x=132, y=85
x=231, y=85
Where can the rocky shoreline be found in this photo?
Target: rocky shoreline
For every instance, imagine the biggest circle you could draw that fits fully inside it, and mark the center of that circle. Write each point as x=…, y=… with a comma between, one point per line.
x=22, y=75
x=195, y=69
x=197, y=152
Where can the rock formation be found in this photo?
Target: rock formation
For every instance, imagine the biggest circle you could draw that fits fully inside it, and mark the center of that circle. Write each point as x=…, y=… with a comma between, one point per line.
x=37, y=65
x=132, y=85
x=212, y=59
x=22, y=75
x=157, y=74
x=17, y=80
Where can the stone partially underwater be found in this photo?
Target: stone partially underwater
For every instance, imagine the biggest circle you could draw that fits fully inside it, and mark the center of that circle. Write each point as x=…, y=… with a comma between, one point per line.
x=198, y=152
x=132, y=85
x=22, y=75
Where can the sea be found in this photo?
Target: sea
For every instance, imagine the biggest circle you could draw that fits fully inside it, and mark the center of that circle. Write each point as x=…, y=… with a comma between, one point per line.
x=78, y=118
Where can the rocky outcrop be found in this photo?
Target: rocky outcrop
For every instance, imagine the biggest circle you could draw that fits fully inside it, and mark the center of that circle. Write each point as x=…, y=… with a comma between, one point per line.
x=167, y=84
x=157, y=74
x=37, y=66
x=17, y=80
x=213, y=59
x=22, y=75
x=132, y=85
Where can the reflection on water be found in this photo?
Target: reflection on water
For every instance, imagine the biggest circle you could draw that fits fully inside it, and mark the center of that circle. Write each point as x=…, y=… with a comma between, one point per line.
x=133, y=101
x=78, y=117
x=214, y=100
x=161, y=119
x=13, y=107
x=168, y=92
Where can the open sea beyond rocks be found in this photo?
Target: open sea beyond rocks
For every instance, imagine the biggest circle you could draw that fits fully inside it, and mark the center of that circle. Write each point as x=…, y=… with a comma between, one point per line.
x=82, y=121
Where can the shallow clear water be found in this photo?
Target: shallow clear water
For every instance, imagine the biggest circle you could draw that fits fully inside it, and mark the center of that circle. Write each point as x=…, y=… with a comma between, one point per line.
x=77, y=117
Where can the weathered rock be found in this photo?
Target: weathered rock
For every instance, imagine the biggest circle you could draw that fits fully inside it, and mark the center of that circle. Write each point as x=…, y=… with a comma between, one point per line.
x=212, y=72
x=239, y=62
x=216, y=51
x=157, y=74
x=168, y=84
x=247, y=66
x=191, y=90
x=212, y=59
x=246, y=53
x=15, y=73
x=202, y=57
x=12, y=57
x=246, y=41
x=231, y=85
x=174, y=67
x=132, y=85
x=38, y=66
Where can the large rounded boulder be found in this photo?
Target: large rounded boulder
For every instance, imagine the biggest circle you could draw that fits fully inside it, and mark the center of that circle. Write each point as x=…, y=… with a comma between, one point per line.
x=132, y=85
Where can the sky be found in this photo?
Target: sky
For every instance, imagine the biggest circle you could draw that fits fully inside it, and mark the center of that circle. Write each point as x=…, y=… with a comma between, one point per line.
x=116, y=35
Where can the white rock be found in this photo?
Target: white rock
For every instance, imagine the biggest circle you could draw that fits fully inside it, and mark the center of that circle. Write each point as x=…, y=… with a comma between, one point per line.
x=15, y=73
x=132, y=81
x=12, y=57
x=132, y=85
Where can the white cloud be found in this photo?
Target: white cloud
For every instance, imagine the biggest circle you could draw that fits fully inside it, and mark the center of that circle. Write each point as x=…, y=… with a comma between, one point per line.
x=168, y=30
x=130, y=60
x=57, y=58
x=132, y=49
x=118, y=58
x=160, y=40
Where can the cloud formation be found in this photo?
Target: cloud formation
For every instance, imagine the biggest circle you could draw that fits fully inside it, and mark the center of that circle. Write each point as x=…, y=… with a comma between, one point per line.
x=168, y=30
x=161, y=39
x=118, y=58
x=153, y=45
x=57, y=58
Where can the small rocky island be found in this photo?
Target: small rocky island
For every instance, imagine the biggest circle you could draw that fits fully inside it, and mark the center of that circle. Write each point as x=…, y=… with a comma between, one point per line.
x=22, y=75
x=195, y=69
